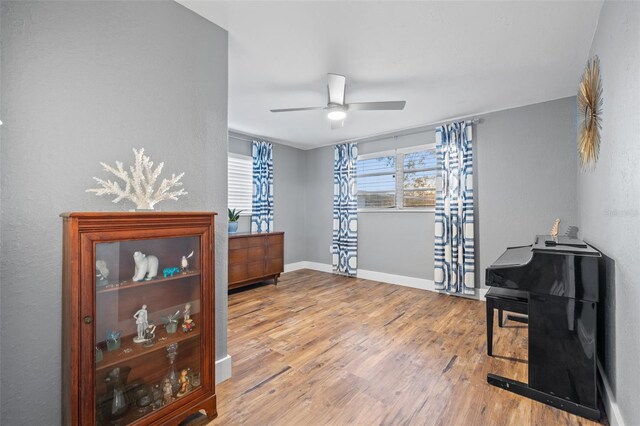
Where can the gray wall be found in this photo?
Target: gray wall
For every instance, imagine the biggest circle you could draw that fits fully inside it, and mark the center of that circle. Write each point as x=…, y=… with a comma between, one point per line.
x=288, y=195
x=608, y=199
x=525, y=175
x=392, y=242
x=526, y=166
x=84, y=82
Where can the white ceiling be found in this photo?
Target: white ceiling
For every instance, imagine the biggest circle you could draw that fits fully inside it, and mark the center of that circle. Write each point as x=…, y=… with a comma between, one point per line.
x=446, y=59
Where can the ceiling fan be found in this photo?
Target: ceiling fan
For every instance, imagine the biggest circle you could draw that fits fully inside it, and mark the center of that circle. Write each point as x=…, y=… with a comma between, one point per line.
x=338, y=109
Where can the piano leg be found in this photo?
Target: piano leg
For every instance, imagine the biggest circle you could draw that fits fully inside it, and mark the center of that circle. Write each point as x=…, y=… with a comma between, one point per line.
x=523, y=389
x=489, y=304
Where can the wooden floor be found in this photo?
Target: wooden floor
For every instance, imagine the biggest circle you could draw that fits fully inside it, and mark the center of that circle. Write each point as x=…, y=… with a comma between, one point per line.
x=321, y=349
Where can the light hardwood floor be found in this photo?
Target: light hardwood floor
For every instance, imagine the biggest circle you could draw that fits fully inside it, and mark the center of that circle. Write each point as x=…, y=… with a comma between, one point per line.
x=321, y=349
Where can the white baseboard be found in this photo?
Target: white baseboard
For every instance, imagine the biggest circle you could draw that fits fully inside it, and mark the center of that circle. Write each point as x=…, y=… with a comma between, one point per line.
x=420, y=283
x=322, y=267
x=290, y=267
x=482, y=293
x=402, y=280
x=223, y=369
x=610, y=404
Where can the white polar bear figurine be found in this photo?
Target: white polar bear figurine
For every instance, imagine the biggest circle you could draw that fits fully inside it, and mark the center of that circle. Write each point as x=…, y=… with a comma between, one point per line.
x=146, y=266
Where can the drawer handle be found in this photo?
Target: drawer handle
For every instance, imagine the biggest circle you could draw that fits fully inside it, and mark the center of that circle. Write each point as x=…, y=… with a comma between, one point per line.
x=88, y=319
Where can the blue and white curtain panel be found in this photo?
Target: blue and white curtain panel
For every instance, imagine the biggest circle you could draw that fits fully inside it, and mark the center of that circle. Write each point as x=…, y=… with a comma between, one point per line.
x=262, y=205
x=454, y=227
x=345, y=210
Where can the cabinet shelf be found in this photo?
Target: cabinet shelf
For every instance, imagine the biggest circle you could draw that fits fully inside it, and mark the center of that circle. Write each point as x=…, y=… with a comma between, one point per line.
x=134, y=284
x=117, y=357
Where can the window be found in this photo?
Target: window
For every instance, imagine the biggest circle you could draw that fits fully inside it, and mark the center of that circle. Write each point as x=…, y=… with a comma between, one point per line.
x=399, y=179
x=240, y=175
x=376, y=182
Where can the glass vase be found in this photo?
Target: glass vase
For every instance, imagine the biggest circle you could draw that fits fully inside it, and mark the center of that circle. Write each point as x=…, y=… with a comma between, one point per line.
x=116, y=401
x=172, y=376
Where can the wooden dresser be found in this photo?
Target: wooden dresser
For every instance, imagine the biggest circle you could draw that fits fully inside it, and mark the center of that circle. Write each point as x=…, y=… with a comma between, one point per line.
x=255, y=257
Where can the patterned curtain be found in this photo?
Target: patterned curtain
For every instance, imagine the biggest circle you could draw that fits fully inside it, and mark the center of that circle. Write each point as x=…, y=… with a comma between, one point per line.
x=454, y=244
x=345, y=210
x=262, y=214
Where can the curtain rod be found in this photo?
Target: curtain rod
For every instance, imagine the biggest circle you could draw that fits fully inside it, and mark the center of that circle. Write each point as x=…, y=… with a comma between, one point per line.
x=406, y=132
x=371, y=138
x=242, y=138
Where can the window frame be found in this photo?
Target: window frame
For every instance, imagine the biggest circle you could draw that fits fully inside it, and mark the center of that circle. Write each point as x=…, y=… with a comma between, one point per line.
x=399, y=155
x=245, y=213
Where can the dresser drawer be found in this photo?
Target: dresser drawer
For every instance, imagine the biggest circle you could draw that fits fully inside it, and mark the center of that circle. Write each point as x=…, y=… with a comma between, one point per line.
x=244, y=242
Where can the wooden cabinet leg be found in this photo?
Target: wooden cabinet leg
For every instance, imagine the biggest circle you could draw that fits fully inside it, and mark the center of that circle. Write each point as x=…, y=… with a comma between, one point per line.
x=275, y=279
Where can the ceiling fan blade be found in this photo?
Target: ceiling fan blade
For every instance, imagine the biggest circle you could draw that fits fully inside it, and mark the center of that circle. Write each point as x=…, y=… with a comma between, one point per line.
x=336, y=124
x=376, y=106
x=297, y=109
x=336, y=84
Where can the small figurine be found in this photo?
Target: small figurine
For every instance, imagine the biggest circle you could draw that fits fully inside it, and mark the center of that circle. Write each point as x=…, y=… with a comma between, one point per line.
x=149, y=335
x=554, y=229
x=142, y=324
x=187, y=323
x=168, y=394
x=169, y=272
x=185, y=263
x=146, y=266
x=185, y=383
x=102, y=272
x=188, y=326
x=187, y=312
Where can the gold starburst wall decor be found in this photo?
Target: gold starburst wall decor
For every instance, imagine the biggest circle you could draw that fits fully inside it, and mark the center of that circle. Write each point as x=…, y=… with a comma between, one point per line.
x=590, y=114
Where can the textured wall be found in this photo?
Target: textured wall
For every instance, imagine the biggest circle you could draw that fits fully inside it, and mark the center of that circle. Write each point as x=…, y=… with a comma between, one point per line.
x=288, y=195
x=84, y=82
x=319, y=205
x=526, y=166
x=525, y=178
x=609, y=203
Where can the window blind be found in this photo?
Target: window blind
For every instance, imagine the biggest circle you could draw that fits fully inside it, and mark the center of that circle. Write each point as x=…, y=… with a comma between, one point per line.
x=240, y=184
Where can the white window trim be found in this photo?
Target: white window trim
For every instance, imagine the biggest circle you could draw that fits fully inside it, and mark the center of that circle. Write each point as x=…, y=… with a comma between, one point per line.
x=399, y=154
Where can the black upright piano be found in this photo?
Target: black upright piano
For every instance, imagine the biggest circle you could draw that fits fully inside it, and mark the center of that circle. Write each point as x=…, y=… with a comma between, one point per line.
x=561, y=276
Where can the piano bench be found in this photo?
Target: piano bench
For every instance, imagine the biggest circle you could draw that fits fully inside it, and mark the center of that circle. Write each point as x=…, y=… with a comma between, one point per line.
x=504, y=299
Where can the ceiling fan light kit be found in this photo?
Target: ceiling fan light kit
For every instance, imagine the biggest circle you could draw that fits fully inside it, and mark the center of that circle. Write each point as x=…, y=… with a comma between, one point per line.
x=336, y=114
x=336, y=106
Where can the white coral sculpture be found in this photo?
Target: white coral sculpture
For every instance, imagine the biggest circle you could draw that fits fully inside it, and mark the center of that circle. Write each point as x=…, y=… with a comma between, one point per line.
x=139, y=187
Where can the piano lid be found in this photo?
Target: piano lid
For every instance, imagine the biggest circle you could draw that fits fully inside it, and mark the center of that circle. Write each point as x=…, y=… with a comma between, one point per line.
x=514, y=256
x=563, y=245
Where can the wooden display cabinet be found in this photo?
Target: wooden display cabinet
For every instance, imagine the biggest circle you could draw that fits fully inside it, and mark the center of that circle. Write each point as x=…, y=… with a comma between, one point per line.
x=125, y=382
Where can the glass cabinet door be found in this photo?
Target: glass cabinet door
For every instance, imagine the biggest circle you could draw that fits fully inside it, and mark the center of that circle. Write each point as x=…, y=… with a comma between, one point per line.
x=147, y=335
